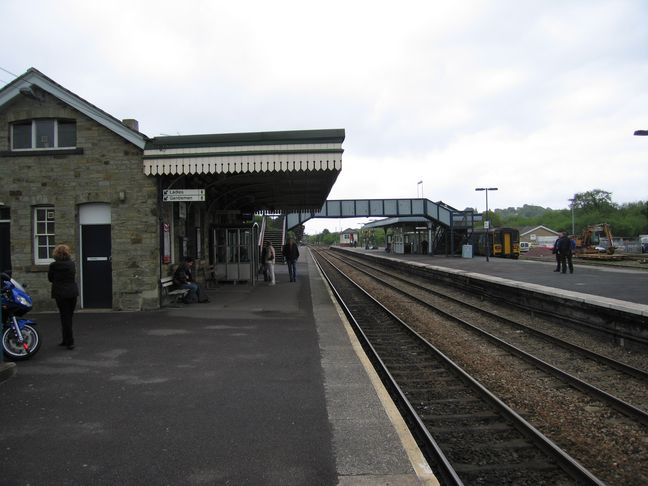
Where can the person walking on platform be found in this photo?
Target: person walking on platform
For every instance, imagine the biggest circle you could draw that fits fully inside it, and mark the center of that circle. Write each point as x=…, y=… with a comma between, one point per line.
x=291, y=252
x=270, y=261
x=564, y=249
x=264, y=267
x=61, y=273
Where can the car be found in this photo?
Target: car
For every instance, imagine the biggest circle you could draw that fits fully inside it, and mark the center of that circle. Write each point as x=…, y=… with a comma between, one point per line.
x=643, y=239
x=525, y=246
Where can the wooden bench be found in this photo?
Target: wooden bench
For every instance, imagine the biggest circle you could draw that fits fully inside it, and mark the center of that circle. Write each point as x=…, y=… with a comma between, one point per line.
x=170, y=292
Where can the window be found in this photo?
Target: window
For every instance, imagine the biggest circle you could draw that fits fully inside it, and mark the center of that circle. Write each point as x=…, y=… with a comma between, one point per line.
x=44, y=235
x=43, y=133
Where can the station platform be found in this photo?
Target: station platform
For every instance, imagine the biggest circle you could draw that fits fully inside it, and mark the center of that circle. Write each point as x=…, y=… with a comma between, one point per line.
x=262, y=385
x=602, y=282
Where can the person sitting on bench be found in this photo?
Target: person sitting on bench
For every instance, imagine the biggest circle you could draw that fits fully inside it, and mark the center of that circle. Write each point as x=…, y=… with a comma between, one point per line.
x=183, y=278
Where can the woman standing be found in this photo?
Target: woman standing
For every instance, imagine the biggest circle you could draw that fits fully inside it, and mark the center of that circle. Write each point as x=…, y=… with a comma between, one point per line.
x=270, y=261
x=62, y=273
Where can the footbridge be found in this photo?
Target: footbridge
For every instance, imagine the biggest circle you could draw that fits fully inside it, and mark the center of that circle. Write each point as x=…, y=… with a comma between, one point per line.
x=438, y=213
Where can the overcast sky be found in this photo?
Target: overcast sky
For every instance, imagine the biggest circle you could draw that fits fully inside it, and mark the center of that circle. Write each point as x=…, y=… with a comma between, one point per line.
x=537, y=98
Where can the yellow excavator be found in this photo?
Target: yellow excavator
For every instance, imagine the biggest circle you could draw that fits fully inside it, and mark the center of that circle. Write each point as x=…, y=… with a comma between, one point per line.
x=596, y=238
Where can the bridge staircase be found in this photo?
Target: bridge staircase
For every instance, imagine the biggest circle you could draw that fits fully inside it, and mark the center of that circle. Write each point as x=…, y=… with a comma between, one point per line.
x=274, y=235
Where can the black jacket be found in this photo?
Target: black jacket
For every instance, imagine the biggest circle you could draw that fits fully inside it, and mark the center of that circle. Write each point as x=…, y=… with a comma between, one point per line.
x=291, y=252
x=563, y=245
x=62, y=273
x=182, y=275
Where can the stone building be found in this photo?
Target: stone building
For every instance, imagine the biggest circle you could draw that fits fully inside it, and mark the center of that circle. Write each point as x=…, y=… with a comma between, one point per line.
x=71, y=173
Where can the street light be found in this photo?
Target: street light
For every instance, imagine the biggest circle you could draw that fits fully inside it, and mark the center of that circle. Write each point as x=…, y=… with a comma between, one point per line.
x=641, y=133
x=572, y=201
x=486, y=221
x=419, y=183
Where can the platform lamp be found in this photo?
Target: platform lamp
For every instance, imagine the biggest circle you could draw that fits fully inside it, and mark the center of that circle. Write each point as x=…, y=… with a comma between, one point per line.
x=486, y=221
x=419, y=183
x=572, y=201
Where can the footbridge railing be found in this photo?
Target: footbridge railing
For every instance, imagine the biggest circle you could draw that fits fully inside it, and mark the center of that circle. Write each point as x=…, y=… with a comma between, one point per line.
x=437, y=212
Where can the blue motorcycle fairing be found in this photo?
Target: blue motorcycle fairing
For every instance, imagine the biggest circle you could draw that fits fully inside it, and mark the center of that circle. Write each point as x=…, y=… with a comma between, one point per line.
x=23, y=322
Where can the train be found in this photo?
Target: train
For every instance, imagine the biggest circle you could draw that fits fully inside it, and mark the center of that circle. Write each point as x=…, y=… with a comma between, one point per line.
x=502, y=242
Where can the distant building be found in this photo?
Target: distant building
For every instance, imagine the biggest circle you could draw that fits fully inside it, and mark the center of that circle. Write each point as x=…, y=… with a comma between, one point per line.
x=538, y=236
x=349, y=237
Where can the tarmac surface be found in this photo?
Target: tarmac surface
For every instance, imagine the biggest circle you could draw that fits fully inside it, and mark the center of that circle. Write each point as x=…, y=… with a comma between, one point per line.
x=263, y=385
x=623, y=284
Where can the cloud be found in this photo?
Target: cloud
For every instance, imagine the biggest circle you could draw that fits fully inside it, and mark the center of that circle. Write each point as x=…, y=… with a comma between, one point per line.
x=538, y=99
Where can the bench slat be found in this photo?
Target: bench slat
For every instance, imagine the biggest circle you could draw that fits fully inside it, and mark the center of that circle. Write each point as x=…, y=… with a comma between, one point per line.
x=167, y=282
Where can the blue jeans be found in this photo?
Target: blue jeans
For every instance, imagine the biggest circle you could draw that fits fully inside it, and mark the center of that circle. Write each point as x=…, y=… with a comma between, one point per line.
x=292, y=270
x=194, y=291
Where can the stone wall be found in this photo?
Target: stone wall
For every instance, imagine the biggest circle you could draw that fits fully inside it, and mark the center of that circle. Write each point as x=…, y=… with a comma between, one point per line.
x=107, y=166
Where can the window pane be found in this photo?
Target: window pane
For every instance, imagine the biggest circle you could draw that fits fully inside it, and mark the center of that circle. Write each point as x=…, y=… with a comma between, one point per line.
x=42, y=252
x=44, y=241
x=66, y=133
x=44, y=133
x=22, y=135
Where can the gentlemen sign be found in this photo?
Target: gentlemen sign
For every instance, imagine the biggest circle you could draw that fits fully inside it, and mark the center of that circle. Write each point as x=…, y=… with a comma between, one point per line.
x=172, y=195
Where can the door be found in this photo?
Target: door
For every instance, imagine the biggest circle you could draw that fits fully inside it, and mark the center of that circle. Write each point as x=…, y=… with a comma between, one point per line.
x=96, y=255
x=508, y=248
x=233, y=248
x=96, y=266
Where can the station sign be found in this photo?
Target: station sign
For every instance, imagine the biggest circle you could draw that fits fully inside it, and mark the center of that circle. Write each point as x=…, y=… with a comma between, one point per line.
x=173, y=195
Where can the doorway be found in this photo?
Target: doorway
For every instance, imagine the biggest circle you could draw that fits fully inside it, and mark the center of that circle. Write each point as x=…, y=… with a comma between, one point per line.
x=234, y=254
x=96, y=256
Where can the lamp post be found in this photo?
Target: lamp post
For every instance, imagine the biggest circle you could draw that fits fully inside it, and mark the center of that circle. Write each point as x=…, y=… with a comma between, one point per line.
x=641, y=133
x=486, y=221
x=419, y=183
x=573, y=201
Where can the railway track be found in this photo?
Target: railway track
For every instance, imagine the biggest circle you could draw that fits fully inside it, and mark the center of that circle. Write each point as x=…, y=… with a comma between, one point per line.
x=619, y=384
x=532, y=357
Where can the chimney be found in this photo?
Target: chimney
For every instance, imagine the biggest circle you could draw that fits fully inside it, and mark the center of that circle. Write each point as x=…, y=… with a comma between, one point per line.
x=131, y=123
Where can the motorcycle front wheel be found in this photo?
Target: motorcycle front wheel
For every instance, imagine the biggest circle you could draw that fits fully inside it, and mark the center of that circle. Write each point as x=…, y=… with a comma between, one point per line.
x=16, y=351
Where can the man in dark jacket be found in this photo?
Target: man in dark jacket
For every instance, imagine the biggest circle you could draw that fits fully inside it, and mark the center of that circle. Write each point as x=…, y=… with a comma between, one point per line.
x=564, y=249
x=291, y=254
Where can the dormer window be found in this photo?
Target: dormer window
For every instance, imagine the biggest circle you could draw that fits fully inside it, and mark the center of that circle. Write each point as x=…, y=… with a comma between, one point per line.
x=43, y=134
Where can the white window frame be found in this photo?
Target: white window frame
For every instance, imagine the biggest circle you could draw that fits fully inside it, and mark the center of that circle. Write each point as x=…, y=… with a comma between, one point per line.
x=50, y=237
x=33, y=135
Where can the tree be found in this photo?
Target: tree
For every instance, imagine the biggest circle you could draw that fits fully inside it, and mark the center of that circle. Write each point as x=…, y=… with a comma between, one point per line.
x=594, y=200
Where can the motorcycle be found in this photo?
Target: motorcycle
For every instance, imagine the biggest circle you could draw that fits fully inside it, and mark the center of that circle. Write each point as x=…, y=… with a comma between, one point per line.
x=20, y=340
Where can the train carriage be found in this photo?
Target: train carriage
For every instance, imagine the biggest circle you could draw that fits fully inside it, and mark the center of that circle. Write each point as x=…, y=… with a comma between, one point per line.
x=502, y=242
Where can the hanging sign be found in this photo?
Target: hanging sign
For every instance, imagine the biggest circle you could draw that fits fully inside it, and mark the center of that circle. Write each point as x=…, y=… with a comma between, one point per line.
x=172, y=195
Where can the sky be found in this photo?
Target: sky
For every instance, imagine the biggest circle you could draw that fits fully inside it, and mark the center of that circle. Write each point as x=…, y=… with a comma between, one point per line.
x=538, y=99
